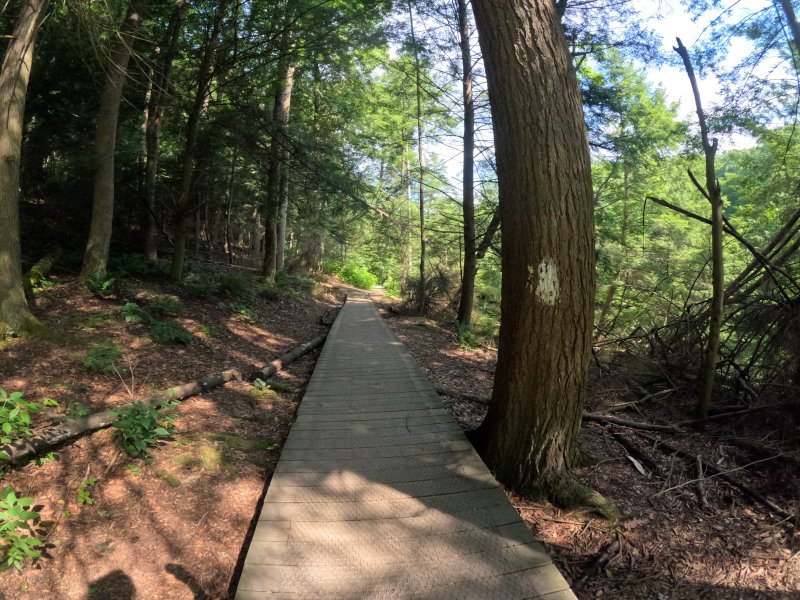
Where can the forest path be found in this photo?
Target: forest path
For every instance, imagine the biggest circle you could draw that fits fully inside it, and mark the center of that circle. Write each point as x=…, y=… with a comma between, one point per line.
x=378, y=494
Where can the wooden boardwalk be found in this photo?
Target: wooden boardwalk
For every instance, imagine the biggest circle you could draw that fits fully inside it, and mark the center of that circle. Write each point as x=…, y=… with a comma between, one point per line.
x=378, y=494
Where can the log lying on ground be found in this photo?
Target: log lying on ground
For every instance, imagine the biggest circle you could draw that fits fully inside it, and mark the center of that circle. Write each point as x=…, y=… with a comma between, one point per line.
x=51, y=437
x=278, y=364
x=712, y=469
x=631, y=424
x=39, y=271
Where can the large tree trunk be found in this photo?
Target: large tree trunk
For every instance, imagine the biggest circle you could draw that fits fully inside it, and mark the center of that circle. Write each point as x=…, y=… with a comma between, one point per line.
x=470, y=259
x=95, y=260
x=529, y=435
x=185, y=203
x=154, y=117
x=15, y=316
x=280, y=118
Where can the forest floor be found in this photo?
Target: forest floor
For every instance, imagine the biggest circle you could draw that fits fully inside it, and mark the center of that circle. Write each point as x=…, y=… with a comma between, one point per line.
x=679, y=544
x=173, y=526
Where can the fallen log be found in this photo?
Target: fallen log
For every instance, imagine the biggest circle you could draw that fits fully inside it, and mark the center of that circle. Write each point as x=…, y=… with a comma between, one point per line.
x=39, y=271
x=595, y=418
x=717, y=473
x=597, y=564
x=46, y=440
x=278, y=364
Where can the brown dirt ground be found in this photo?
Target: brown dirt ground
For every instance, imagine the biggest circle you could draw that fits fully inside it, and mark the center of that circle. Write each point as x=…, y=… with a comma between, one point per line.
x=173, y=528
x=673, y=546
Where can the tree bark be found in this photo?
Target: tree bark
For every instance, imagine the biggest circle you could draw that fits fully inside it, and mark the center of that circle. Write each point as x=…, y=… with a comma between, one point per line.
x=421, y=164
x=280, y=118
x=95, y=259
x=708, y=368
x=15, y=316
x=465, y=303
x=280, y=261
x=528, y=438
x=185, y=202
x=154, y=117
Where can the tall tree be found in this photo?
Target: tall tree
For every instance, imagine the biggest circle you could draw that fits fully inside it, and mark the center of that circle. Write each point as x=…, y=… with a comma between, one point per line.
x=420, y=163
x=95, y=259
x=15, y=316
x=468, y=194
x=154, y=117
x=529, y=436
x=185, y=205
x=280, y=118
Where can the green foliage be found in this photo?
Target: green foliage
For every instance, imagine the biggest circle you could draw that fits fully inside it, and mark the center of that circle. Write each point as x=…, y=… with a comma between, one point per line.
x=76, y=410
x=133, y=313
x=286, y=284
x=359, y=277
x=234, y=284
x=161, y=332
x=131, y=264
x=17, y=523
x=166, y=306
x=391, y=287
x=102, y=357
x=138, y=427
x=103, y=286
x=15, y=417
x=85, y=491
x=169, y=332
x=331, y=266
x=199, y=287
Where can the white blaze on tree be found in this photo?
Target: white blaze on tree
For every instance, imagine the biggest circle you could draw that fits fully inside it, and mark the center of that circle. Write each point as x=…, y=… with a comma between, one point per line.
x=547, y=288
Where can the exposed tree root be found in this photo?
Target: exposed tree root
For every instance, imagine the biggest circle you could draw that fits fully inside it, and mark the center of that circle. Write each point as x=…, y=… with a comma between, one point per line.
x=565, y=491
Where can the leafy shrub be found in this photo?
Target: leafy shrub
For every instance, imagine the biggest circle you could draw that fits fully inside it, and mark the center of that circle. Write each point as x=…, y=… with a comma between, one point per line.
x=168, y=332
x=101, y=357
x=233, y=284
x=16, y=526
x=201, y=288
x=161, y=332
x=15, y=417
x=131, y=264
x=133, y=313
x=138, y=427
x=286, y=284
x=166, y=305
x=104, y=286
x=332, y=267
x=391, y=287
x=358, y=277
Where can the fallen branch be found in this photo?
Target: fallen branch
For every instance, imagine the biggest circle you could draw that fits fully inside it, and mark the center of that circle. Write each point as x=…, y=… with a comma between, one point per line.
x=595, y=418
x=647, y=398
x=715, y=472
x=39, y=271
x=51, y=437
x=596, y=565
x=636, y=452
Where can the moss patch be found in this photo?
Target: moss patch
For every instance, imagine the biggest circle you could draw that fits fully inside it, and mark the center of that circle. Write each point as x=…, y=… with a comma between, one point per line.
x=171, y=480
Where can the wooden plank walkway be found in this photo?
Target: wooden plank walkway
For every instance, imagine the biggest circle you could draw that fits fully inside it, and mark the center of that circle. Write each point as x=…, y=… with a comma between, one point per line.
x=378, y=494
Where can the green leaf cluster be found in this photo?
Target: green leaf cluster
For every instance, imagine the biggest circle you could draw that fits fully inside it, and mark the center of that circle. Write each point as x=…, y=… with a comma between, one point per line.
x=17, y=524
x=139, y=427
